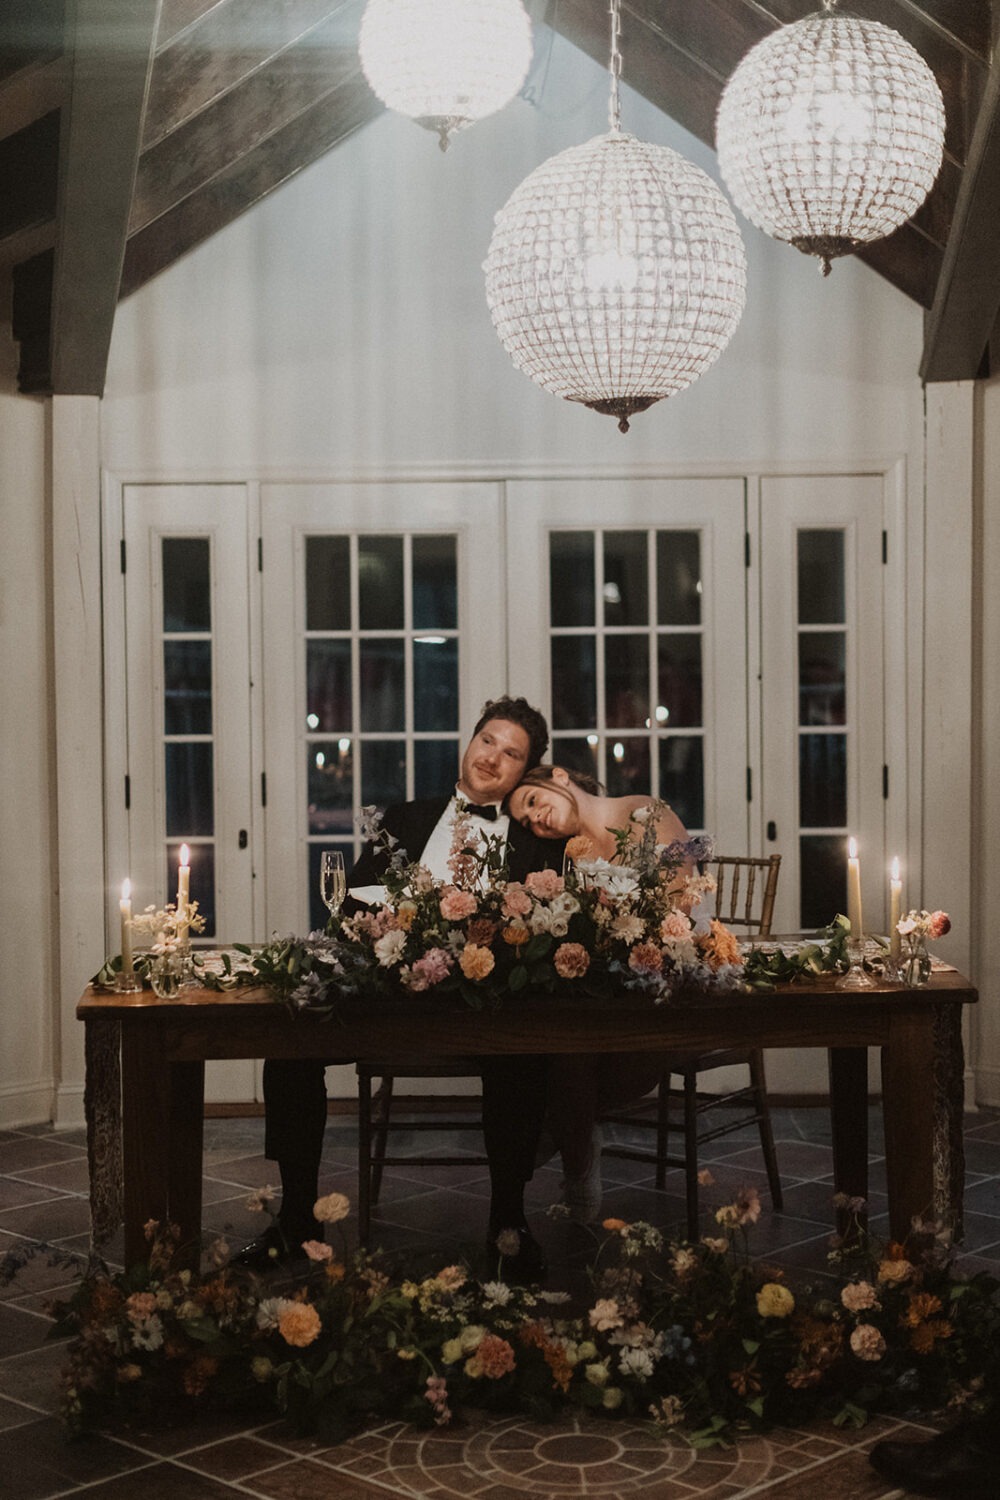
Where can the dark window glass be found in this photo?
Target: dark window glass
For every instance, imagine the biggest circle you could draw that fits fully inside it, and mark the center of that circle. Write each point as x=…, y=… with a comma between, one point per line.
x=328, y=583
x=318, y=914
x=202, y=884
x=383, y=774
x=678, y=578
x=682, y=777
x=822, y=780
x=571, y=578
x=628, y=767
x=574, y=682
x=435, y=767
x=678, y=696
x=187, y=687
x=187, y=595
x=575, y=753
x=823, y=880
x=190, y=790
x=822, y=677
x=383, y=702
x=435, y=684
x=328, y=685
x=329, y=770
x=626, y=680
x=380, y=582
x=626, y=578
x=821, y=577
x=435, y=583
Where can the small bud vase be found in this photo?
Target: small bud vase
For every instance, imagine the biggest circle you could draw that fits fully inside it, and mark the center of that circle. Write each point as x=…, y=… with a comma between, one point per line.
x=914, y=962
x=166, y=974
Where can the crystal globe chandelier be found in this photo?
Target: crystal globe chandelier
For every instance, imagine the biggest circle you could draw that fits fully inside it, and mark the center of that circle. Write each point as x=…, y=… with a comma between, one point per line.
x=445, y=63
x=616, y=273
x=830, y=133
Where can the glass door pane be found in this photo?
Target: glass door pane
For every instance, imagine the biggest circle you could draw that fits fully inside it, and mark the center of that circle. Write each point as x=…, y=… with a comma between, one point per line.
x=637, y=589
x=382, y=611
x=822, y=700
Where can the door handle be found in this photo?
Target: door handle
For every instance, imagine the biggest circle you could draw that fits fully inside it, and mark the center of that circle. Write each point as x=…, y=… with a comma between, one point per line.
x=243, y=840
x=772, y=831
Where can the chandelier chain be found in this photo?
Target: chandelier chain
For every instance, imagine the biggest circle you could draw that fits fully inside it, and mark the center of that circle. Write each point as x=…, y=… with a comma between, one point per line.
x=615, y=66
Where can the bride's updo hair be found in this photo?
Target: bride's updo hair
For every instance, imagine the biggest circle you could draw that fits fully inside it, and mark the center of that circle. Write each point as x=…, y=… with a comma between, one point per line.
x=542, y=775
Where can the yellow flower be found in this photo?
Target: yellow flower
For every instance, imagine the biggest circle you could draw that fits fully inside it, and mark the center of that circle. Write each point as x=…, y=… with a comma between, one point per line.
x=331, y=1208
x=775, y=1300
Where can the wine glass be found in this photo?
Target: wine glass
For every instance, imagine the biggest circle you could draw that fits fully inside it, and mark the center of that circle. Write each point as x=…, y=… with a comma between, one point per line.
x=332, y=880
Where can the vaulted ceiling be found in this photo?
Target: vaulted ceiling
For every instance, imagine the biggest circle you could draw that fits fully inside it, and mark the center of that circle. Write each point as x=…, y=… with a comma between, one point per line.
x=132, y=130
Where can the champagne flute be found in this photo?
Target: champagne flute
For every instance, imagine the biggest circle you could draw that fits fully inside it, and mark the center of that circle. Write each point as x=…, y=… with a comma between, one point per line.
x=332, y=880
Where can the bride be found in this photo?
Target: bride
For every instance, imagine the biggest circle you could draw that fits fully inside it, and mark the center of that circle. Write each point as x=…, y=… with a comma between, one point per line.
x=554, y=802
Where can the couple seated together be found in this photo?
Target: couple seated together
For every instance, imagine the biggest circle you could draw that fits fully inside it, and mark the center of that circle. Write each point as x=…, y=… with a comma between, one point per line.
x=507, y=792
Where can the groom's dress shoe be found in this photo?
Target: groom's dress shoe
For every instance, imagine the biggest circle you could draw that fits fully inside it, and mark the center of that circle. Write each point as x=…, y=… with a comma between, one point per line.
x=268, y=1251
x=954, y=1464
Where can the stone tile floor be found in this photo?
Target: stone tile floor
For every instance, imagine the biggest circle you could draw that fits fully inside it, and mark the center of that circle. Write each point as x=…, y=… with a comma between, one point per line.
x=433, y=1214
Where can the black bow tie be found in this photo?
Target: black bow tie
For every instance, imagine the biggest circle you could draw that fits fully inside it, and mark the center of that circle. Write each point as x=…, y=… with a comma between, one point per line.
x=488, y=811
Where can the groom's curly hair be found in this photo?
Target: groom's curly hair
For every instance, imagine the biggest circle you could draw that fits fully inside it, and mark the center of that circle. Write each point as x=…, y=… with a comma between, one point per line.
x=519, y=711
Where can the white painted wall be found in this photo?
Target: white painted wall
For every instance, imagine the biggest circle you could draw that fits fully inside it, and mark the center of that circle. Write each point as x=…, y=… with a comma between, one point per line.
x=341, y=327
x=28, y=910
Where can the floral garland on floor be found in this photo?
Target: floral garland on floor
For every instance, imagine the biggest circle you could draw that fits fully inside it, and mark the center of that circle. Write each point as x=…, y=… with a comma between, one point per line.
x=694, y=1336
x=601, y=928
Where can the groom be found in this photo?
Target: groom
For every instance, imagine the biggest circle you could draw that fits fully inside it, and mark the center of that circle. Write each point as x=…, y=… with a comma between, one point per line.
x=509, y=739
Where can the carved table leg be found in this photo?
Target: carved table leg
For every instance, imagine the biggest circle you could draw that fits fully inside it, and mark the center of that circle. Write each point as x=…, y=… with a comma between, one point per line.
x=103, y=1111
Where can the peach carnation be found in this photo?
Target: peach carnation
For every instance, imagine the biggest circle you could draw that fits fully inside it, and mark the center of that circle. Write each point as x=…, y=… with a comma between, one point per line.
x=867, y=1343
x=493, y=1358
x=859, y=1297
x=579, y=847
x=515, y=934
x=456, y=904
x=476, y=962
x=516, y=901
x=719, y=945
x=544, y=884
x=332, y=1208
x=300, y=1324
x=645, y=958
x=571, y=960
x=675, y=925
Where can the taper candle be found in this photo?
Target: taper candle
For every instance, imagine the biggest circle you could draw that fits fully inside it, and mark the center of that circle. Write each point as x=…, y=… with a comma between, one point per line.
x=895, y=908
x=125, y=910
x=854, y=889
x=183, y=882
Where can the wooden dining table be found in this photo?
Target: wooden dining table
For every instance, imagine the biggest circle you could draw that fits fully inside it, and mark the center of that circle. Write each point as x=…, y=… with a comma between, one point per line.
x=145, y=1068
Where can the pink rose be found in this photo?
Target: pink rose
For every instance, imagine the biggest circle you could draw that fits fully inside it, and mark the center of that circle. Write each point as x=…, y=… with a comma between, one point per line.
x=456, y=904
x=544, y=884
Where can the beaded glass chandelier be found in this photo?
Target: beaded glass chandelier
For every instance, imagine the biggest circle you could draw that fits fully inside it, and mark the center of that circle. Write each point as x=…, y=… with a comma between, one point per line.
x=445, y=63
x=830, y=133
x=616, y=273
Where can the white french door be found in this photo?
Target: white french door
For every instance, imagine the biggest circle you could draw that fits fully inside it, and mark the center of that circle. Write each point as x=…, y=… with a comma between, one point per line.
x=382, y=620
x=189, y=768
x=627, y=623
x=823, y=691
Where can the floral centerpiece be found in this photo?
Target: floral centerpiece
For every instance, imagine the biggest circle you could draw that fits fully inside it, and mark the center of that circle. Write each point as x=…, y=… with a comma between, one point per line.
x=599, y=928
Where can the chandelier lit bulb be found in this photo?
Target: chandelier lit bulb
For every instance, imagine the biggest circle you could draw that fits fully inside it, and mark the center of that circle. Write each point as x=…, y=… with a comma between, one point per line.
x=616, y=273
x=830, y=133
x=445, y=63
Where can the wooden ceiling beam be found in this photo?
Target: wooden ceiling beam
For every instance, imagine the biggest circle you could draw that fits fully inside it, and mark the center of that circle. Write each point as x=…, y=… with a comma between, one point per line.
x=245, y=182
x=960, y=322
x=99, y=148
x=215, y=138
x=30, y=94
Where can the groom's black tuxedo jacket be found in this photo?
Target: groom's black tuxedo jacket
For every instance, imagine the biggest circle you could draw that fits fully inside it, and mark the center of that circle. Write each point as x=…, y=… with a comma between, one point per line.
x=412, y=823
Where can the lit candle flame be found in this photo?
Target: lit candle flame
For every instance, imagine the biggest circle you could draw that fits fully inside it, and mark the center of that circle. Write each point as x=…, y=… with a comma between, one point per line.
x=185, y=855
x=126, y=889
x=852, y=848
x=894, y=872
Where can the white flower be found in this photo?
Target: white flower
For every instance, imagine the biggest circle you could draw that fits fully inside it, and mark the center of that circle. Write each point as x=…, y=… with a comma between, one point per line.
x=618, y=880
x=271, y=1309
x=497, y=1293
x=628, y=927
x=389, y=948
x=636, y=1362
x=149, y=1334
